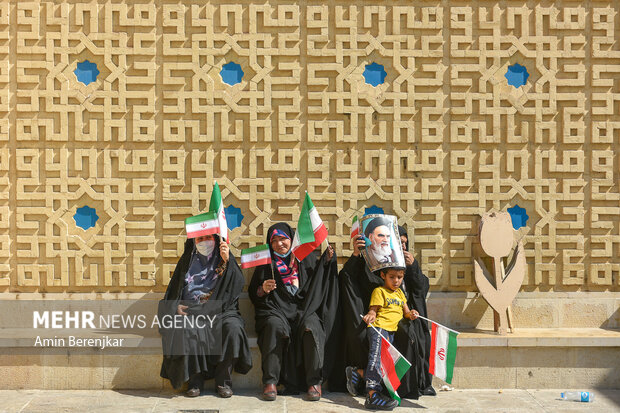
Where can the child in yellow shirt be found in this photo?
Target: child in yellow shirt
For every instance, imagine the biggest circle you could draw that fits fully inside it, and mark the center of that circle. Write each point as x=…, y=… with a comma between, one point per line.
x=388, y=305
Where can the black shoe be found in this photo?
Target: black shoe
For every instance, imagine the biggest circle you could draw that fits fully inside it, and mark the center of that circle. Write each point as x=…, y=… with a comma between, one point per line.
x=193, y=392
x=195, y=385
x=269, y=392
x=380, y=402
x=354, y=380
x=224, y=391
x=429, y=391
x=314, y=393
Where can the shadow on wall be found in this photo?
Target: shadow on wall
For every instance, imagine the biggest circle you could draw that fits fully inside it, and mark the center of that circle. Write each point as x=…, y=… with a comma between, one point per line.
x=612, y=322
x=460, y=310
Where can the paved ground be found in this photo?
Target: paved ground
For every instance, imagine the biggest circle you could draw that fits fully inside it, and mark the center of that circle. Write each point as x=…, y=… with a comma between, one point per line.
x=167, y=401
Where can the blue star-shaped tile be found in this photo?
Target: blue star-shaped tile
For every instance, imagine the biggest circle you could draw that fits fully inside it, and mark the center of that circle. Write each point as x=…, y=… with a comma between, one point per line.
x=86, y=72
x=519, y=216
x=85, y=217
x=231, y=73
x=373, y=210
x=233, y=217
x=517, y=75
x=374, y=74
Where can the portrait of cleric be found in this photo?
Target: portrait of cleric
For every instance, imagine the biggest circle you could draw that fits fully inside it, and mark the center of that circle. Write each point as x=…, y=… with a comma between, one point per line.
x=383, y=247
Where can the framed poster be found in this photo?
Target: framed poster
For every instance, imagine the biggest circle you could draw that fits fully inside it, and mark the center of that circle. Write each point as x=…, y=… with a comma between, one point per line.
x=383, y=247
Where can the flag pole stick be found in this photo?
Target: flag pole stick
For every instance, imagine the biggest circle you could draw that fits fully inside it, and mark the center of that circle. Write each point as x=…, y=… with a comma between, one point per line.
x=440, y=325
x=392, y=345
x=374, y=328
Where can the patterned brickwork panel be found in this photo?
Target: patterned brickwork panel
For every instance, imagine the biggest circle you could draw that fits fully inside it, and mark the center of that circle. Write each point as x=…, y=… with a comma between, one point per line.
x=475, y=108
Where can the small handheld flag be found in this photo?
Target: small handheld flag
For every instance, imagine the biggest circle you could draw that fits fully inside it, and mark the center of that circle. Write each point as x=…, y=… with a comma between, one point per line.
x=252, y=257
x=203, y=224
x=355, y=227
x=443, y=352
x=216, y=205
x=311, y=231
x=393, y=366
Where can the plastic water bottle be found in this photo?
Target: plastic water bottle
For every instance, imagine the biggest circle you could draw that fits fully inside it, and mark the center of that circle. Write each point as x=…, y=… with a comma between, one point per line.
x=578, y=396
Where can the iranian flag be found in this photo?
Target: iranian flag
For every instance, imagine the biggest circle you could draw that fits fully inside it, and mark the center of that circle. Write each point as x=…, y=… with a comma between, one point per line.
x=310, y=232
x=258, y=255
x=393, y=367
x=217, y=206
x=443, y=352
x=355, y=227
x=203, y=224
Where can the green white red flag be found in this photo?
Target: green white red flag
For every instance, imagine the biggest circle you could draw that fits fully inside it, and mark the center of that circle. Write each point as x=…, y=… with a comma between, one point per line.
x=216, y=205
x=443, y=352
x=355, y=227
x=252, y=257
x=311, y=231
x=203, y=224
x=393, y=367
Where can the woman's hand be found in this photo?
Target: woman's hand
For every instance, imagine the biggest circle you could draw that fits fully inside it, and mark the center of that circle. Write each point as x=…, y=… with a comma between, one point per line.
x=181, y=309
x=408, y=258
x=370, y=317
x=330, y=252
x=413, y=314
x=269, y=286
x=358, y=244
x=224, y=250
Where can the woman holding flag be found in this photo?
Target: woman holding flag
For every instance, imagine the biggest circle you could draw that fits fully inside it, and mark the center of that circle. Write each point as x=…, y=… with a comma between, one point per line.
x=206, y=280
x=296, y=299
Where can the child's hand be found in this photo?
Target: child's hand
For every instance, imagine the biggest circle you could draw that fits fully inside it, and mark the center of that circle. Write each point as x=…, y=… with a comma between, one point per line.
x=413, y=314
x=370, y=317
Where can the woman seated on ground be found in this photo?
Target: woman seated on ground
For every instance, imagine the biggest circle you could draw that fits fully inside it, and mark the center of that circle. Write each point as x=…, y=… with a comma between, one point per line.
x=357, y=283
x=206, y=275
x=295, y=306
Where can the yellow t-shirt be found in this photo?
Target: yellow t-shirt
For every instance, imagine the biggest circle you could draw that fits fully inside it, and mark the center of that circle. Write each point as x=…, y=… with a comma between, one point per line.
x=390, y=304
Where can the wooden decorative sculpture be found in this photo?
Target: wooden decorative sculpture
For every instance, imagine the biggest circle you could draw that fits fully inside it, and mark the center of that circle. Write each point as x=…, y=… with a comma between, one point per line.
x=497, y=238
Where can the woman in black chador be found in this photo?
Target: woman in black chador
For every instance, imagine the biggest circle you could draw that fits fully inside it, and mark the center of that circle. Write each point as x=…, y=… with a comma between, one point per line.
x=356, y=285
x=206, y=280
x=295, y=305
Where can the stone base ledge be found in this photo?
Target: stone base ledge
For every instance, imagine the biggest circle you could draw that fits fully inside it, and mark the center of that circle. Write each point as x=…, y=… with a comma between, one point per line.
x=526, y=337
x=541, y=337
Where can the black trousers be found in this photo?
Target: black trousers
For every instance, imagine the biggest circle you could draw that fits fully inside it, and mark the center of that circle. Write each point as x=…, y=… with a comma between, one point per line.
x=272, y=341
x=222, y=375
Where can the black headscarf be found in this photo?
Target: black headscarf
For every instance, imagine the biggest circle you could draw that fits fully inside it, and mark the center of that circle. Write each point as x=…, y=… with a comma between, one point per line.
x=284, y=266
x=403, y=232
x=201, y=276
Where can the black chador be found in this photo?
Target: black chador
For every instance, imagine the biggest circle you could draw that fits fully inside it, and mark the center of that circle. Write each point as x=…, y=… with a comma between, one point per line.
x=295, y=322
x=186, y=351
x=356, y=285
x=416, y=287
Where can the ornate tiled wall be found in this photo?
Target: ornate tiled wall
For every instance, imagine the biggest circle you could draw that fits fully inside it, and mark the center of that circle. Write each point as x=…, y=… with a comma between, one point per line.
x=444, y=138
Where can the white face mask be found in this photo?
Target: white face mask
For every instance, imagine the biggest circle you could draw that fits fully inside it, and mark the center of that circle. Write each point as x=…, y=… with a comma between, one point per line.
x=205, y=247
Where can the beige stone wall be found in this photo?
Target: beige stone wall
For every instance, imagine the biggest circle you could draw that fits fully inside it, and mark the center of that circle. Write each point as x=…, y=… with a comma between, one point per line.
x=444, y=139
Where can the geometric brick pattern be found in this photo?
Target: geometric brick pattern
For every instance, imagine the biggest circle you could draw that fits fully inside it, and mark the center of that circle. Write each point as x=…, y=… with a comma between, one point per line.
x=441, y=141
